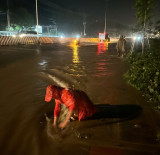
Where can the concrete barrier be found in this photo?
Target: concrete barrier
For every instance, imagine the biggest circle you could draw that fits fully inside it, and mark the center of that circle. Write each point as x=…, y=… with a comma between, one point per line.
x=9, y=40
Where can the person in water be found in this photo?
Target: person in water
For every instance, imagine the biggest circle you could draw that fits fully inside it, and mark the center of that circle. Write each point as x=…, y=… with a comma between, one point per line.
x=121, y=46
x=78, y=103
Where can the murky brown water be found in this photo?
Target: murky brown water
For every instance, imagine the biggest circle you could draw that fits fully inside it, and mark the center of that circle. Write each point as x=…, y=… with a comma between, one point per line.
x=25, y=71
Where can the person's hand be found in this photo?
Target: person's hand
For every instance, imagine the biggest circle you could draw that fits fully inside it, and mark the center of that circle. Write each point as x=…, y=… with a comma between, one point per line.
x=55, y=122
x=62, y=125
x=54, y=125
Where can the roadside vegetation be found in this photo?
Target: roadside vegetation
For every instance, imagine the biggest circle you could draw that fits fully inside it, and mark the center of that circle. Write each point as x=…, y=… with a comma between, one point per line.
x=144, y=56
x=144, y=71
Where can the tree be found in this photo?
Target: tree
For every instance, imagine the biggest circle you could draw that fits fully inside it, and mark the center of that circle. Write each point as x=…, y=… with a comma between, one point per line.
x=157, y=27
x=22, y=17
x=144, y=15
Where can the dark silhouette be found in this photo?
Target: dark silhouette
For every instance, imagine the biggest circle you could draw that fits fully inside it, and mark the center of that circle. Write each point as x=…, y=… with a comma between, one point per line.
x=117, y=111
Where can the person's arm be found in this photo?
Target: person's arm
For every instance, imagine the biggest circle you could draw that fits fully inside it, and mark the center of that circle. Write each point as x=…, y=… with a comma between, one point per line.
x=56, y=112
x=117, y=46
x=71, y=108
x=63, y=124
x=55, y=121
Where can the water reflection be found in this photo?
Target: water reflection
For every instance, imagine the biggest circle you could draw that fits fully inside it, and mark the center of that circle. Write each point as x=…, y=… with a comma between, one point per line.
x=102, y=47
x=75, y=54
x=77, y=66
x=38, y=51
x=101, y=65
x=101, y=69
x=43, y=64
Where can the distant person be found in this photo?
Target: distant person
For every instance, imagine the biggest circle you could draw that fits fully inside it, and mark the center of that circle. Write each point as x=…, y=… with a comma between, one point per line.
x=121, y=46
x=107, y=37
x=78, y=103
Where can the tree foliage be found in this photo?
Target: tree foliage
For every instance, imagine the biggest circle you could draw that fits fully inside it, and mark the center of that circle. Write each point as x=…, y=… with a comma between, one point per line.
x=144, y=14
x=144, y=72
x=19, y=14
x=22, y=17
x=157, y=27
x=144, y=11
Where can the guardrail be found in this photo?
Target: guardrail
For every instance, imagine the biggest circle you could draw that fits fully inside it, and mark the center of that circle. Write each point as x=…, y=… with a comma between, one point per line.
x=11, y=33
x=7, y=33
x=24, y=40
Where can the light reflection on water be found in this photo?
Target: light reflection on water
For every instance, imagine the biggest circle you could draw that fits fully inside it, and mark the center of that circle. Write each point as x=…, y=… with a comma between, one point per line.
x=77, y=66
x=101, y=65
x=75, y=54
x=102, y=47
x=42, y=63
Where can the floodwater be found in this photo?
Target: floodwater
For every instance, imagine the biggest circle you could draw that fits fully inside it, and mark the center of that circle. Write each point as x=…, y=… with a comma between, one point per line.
x=25, y=71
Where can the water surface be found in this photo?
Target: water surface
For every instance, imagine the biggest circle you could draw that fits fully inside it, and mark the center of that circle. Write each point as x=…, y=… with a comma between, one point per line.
x=25, y=71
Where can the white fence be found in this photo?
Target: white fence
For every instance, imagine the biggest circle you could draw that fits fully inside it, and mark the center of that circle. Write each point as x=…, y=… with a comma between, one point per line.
x=7, y=33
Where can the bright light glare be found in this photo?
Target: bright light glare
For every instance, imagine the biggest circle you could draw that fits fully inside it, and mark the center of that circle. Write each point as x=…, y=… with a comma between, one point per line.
x=14, y=35
x=134, y=38
x=22, y=35
x=62, y=37
x=138, y=38
x=78, y=36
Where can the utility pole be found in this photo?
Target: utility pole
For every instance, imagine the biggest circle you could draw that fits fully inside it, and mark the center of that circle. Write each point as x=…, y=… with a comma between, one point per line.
x=8, y=16
x=105, y=23
x=84, y=24
x=37, y=21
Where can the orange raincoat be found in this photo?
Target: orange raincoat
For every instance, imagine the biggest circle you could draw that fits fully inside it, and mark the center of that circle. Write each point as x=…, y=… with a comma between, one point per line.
x=74, y=100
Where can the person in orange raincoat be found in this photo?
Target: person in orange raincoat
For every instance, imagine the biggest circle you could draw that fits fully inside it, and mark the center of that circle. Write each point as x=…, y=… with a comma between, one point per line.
x=77, y=102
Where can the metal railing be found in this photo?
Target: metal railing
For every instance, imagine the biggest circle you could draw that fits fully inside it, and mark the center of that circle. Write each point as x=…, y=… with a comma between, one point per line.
x=7, y=33
x=11, y=33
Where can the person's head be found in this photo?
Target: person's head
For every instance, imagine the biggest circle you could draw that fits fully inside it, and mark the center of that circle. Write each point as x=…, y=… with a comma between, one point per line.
x=52, y=91
x=121, y=36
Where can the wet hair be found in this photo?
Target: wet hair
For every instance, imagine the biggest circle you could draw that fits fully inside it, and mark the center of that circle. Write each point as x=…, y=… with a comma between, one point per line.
x=53, y=92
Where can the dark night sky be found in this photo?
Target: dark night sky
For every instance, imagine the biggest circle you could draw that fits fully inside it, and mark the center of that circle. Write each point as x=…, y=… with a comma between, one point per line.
x=69, y=14
x=118, y=10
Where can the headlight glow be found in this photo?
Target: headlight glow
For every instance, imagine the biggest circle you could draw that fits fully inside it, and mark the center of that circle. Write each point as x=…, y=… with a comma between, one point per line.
x=22, y=35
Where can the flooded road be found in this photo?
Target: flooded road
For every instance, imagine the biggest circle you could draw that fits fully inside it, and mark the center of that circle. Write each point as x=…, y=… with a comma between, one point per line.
x=25, y=71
